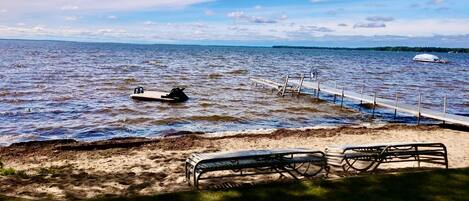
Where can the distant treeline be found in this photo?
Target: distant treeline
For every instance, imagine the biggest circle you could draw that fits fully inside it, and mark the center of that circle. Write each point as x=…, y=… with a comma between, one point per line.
x=396, y=49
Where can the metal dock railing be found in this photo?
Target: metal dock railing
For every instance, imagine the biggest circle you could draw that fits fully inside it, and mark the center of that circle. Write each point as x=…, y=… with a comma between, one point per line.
x=417, y=111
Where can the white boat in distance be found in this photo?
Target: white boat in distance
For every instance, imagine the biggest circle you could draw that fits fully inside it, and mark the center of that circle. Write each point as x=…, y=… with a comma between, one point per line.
x=428, y=58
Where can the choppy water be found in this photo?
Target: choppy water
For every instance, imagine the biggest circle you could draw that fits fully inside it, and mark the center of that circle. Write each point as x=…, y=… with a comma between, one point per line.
x=52, y=90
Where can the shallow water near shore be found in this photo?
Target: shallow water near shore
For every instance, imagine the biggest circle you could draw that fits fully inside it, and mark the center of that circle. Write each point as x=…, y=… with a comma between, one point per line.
x=52, y=90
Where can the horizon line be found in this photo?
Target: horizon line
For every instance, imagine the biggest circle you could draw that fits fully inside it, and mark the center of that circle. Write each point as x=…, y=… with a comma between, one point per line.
x=214, y=45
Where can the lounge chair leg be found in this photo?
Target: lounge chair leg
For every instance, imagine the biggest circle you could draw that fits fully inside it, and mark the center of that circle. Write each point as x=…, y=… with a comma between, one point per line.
x=328, y=169
x=446, y=161
x=189, y=180
x=291, y=174
x=345, y=169
x=378, y=162
x=280, y=173
x=196, y=185
x=185, y=170
x=195, y=179
x=445, y=155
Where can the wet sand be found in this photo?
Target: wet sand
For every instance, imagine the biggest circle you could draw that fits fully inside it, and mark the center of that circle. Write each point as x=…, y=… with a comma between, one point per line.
x=67, y=169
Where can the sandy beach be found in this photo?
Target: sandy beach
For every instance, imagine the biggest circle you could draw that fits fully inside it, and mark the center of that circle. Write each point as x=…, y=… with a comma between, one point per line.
x=67, y=169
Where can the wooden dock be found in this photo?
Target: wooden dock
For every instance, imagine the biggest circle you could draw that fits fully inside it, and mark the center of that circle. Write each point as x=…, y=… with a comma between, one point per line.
x=295, y=86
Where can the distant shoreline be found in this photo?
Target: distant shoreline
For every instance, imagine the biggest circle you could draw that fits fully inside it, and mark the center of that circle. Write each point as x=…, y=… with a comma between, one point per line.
x=387, y=48
x=384, y=48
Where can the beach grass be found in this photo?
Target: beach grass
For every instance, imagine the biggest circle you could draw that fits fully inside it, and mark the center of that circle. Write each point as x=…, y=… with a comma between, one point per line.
x=436, y=185
x=7, y=171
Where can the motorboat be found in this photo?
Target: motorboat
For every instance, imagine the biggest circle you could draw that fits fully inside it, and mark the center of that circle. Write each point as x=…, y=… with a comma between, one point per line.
x=175, y=95
x=428, y=58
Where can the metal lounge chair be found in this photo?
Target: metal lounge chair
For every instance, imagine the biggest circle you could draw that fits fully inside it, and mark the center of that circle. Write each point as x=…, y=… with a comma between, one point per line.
x=368, y=157
x=294, y=162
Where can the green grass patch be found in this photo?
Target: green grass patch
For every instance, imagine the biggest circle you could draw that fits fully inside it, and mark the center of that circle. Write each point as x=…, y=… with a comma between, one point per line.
x=48, y=171
x=7, y=171
x=11, y=171
x=438, y=185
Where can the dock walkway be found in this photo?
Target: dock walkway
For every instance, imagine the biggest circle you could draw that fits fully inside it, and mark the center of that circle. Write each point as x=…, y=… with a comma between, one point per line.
x=417, y=111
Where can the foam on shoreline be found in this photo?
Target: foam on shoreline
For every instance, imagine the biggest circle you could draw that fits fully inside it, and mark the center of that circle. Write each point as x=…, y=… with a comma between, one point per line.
x=271, y=130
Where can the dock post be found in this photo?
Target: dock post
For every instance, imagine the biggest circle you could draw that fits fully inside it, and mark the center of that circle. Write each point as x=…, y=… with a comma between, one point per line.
x=342, y=101
x=374, y=105
x=445, y=106
x=361, y=95
x=285, y=85
x=301, y=83
x=317, y=90
x=335, y=96
x=395, y=109
x=419, y=108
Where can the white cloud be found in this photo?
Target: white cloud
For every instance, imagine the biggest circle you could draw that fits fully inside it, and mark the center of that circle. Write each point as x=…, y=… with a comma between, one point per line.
x=380, y=19
x=283, y=17
x=245, y=26
x=111, y=31
x=303, y=32
x=240, y=15
x=199, y=25
x=315, y=29
x=69, y=7
x=38, y=28
x=369, y=25
x=24, y=6
x=104, y=31
x=237, y=28
x=237, y=15
x=258, y=7
x=311, y=29
x=3, y=10
x=148, y=22
x=71, y=18
x=261, y=20
x=112, y=17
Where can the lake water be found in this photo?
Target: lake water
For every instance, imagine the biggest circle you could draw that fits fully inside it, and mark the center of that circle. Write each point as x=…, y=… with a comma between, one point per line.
x=52, y=90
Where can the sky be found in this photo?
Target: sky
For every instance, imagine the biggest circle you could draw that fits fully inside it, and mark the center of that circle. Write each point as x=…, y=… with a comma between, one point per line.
x=330, y=23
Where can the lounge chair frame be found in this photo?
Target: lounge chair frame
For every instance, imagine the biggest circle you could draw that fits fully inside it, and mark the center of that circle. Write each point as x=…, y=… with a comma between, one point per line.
x=362, y=158
x=293, y=162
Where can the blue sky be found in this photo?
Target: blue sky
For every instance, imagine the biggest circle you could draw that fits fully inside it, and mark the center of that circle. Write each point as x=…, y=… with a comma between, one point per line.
x=345, y=23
